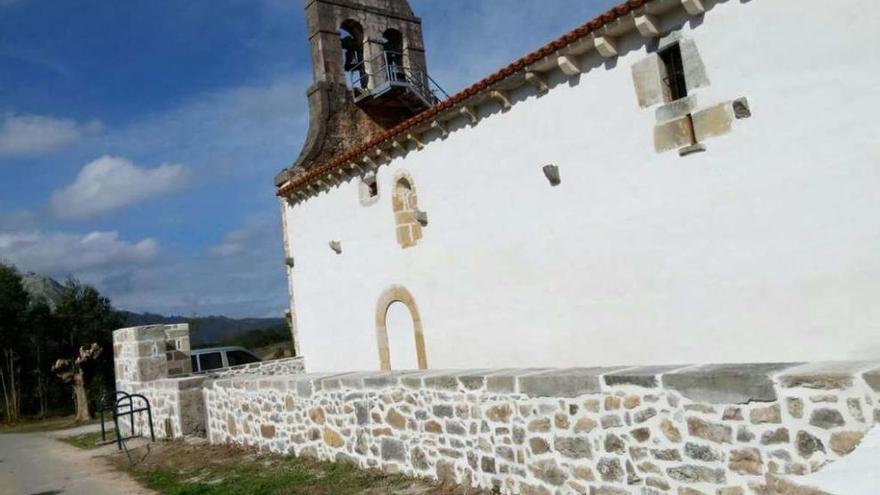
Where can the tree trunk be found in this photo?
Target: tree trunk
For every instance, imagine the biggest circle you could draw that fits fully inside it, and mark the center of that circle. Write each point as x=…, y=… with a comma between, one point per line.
x=5, y=396
x=81, y=396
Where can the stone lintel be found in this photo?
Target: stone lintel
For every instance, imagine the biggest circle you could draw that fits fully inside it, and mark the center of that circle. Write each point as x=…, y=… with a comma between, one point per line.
x=832, y=375
x=648, y=25
x=570, y=382
x=642, y=376
x=726, y=383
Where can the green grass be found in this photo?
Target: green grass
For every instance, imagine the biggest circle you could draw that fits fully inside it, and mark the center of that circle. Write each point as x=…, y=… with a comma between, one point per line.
x=259, y=478
x=90, y=440
x=45, y=424
x=181, y=470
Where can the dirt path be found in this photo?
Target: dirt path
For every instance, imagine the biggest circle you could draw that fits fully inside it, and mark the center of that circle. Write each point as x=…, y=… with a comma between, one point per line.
x=38, y=464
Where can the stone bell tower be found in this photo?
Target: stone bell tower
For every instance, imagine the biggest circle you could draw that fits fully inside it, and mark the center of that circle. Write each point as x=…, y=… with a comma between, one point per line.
x=368, y=62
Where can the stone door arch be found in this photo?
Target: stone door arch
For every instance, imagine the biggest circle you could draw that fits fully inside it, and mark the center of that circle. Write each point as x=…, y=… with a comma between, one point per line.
x=393, y=294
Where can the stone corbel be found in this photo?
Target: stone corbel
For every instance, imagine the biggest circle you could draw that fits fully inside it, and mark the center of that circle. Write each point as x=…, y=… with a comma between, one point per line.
x=606, y=46
x=440, y=127
x=693, y=7
x=648, y=26
x=371, y=165
x=332, y=180
x=468, y=112
x=569, y=64
x=398, y=146
x=538, y=81
x=502, y=98
x=415, y=138
x=354, y=167
x=383, y=155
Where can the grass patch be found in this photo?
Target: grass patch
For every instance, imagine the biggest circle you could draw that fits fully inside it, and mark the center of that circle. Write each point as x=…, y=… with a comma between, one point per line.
x=90, y=440
x=46, y=424
x=176, y=468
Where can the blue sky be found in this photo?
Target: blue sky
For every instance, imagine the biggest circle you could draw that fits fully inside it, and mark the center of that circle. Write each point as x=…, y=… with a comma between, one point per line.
x=139, y=139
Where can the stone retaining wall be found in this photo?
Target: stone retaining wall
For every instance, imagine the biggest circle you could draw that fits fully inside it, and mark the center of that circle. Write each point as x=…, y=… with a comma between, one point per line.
x=712, y=430
x=154, y=361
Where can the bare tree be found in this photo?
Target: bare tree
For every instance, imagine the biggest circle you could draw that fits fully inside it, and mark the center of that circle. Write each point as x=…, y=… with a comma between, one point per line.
x=73, y=371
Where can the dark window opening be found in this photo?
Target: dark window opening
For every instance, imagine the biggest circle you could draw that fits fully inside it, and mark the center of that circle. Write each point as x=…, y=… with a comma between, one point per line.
x=675, y=85
x=210, y=361
x=393, y=48
x=236, y=358
x=351, y=34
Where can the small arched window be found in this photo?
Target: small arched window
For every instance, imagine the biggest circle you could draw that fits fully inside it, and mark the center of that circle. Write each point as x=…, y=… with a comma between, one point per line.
x=406, y=209
x=351, y=34
x=392, y=47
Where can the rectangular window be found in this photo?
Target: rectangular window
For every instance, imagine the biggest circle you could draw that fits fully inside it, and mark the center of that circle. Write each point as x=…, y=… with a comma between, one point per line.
x=210, y=361
x=674, y=83
x=236, y=358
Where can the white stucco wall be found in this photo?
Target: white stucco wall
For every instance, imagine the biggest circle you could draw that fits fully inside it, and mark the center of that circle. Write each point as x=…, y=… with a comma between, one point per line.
x=764, y=248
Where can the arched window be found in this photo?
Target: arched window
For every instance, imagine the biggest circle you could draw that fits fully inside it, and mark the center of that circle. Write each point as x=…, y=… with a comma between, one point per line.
x=351, y=34
x=393, y=49
x=406, y=210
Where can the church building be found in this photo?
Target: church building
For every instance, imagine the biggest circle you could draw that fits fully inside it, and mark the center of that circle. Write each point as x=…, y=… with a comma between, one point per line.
x=673, y=181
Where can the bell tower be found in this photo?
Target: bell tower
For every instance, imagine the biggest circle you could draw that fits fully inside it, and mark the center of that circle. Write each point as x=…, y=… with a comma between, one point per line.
x=369, y=70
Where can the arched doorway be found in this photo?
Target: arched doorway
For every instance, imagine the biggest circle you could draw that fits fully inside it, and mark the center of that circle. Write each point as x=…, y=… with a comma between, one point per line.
x=398, y=304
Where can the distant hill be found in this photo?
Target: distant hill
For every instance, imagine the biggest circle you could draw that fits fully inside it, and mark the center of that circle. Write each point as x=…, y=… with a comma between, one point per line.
x=205, y=329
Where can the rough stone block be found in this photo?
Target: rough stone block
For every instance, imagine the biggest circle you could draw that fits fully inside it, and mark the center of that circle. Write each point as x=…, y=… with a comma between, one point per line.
x=505, y=381
x=726, y=383
x=676, y=109
x=713, y=121
x=648, y=81
x=672, y=135
x=571, y=382
x=872, y=378
x=643, y=376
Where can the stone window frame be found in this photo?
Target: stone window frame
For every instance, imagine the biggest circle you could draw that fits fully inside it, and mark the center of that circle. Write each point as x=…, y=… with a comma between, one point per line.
x=391, y=295
x=408, y=230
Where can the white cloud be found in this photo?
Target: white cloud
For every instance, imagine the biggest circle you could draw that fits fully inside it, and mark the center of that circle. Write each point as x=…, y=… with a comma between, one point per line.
x=59, y=254
x=109, y=183
x=250, y=239
x=31, y=135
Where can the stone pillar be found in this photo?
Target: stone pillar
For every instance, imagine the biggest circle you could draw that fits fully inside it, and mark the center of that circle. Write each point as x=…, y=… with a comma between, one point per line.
x=149, y=353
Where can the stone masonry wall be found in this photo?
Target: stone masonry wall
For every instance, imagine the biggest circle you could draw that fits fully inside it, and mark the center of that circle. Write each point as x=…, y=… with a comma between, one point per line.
x=154, y=361
x=711, y=430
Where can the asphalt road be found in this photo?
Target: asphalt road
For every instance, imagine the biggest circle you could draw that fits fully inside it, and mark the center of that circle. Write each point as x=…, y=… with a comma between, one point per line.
x=37, y=464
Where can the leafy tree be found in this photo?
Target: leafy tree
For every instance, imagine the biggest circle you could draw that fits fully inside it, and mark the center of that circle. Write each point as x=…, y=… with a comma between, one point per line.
x=86, y=320
x=13, y=319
